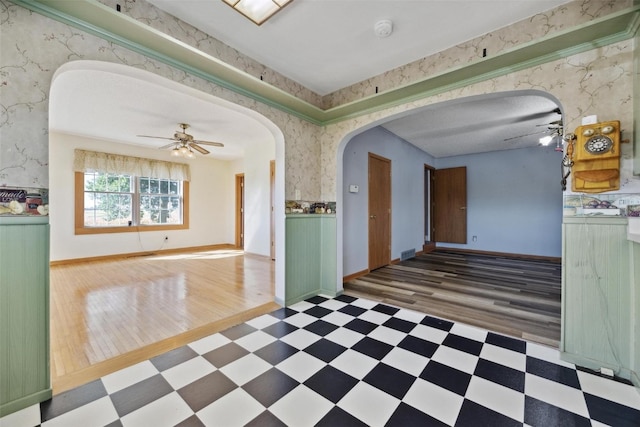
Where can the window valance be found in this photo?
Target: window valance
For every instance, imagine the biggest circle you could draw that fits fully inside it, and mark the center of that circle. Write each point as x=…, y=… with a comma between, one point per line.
x=92, y=161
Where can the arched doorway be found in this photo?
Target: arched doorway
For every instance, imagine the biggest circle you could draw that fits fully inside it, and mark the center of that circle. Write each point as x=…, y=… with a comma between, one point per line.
x=497, y=141
x=104, y=106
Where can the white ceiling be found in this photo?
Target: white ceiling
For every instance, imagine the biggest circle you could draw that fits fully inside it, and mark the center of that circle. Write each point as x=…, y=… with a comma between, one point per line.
x=324, y=45
x=479, y=124
x=110, y=106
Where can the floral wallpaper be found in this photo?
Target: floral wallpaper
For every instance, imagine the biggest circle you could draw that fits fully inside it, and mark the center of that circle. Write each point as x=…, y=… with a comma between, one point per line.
x=150, y=15
x=32, y=47
x=598, y=82
x=540, y=25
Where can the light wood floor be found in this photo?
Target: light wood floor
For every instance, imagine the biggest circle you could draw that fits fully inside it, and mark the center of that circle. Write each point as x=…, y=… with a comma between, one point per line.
x=106, y=315
x=511, y=296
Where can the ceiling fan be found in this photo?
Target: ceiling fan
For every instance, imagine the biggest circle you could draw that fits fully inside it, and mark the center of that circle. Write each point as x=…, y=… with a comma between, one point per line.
x=553, y=128
x=183, y=144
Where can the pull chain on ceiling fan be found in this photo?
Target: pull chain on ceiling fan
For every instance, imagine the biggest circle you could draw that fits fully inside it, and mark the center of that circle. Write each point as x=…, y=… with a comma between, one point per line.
x=183, y=143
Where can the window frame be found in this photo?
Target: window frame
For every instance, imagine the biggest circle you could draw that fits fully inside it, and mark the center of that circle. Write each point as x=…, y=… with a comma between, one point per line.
x=80, y=228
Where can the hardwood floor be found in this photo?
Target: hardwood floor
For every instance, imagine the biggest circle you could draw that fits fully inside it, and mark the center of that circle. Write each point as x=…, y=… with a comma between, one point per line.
x=512, y=296
x=106, y=315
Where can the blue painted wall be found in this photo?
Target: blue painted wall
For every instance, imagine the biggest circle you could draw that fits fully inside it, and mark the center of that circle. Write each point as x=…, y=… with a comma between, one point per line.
x=514, y=198
x=407, y=196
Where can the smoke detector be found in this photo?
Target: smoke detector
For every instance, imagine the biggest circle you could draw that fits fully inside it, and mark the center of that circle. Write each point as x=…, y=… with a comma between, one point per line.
x=383, y=28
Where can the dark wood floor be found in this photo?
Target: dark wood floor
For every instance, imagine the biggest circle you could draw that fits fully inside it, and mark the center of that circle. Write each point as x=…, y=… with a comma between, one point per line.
x=511, y=296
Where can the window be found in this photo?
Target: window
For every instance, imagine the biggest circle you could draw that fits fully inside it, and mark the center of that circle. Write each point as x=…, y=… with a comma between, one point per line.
x=109, y=202
x=160, y=201
x=119, y=194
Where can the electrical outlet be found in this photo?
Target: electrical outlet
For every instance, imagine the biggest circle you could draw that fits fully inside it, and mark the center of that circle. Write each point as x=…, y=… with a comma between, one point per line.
x=474, y=238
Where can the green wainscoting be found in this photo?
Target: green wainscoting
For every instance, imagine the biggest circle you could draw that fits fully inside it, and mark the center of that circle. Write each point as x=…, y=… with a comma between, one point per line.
x=24, y=312
x=635, y=264
x=311, y=257
x=599, y=323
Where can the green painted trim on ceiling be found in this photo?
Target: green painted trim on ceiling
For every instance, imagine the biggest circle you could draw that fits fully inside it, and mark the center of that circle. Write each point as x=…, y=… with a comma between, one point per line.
x=98, y=19
x=104, y=22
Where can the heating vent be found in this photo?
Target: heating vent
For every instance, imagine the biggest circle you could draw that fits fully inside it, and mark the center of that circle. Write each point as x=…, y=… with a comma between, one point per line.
x=411, y=253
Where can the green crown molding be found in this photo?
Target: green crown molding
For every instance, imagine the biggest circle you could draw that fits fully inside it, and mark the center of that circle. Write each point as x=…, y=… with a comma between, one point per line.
x=104, y=22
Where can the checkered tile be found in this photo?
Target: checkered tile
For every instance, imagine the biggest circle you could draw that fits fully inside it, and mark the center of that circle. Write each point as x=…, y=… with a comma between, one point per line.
x=346, y=362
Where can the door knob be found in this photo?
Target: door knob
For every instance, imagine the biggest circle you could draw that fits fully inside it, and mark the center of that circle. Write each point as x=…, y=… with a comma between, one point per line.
x=372, y=216
x=463, y=208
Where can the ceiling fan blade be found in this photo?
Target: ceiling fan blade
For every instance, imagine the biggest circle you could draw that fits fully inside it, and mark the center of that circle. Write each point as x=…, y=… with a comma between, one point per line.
x=214, y=144
x=528, y=134
x=156, y=137
x=556, y=124
x=198, y=148
x=167, y=146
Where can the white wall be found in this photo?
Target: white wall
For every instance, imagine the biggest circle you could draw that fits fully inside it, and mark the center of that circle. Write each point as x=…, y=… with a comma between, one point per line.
x=257, y=197
x=211, y=194
x=407, y=192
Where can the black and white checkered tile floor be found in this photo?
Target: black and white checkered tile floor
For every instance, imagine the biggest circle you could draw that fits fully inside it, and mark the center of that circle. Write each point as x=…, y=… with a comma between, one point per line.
x=345, y=362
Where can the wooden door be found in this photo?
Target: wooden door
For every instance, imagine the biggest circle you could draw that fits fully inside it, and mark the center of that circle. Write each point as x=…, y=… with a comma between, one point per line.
x=379, y=211
x=450, y=205
x=240, y=210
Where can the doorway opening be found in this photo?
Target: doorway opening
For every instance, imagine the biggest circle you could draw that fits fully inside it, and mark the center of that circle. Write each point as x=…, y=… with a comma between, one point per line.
x=429, y=243
x=210, y=237
x=240, y=210
x=468, y=133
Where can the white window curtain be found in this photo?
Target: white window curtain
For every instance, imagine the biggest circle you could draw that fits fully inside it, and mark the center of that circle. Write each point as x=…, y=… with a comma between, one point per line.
x=92, y=161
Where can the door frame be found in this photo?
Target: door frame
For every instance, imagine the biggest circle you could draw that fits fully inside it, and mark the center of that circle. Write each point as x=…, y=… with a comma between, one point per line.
x=428, y=245
x=272, y=189
x=388, y=206
x=240, y=210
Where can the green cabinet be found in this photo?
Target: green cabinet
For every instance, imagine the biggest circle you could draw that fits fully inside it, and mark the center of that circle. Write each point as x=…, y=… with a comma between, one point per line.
x=598, y=319
x=310, y=257
x=24, y=312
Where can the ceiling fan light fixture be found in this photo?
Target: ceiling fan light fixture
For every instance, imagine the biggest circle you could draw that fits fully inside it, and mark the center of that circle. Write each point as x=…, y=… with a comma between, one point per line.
x=546, y=140
x=258, y=11
x=184, y=144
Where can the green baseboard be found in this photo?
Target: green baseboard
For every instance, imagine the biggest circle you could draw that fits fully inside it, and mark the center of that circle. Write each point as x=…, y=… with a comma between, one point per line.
x=25, y=402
